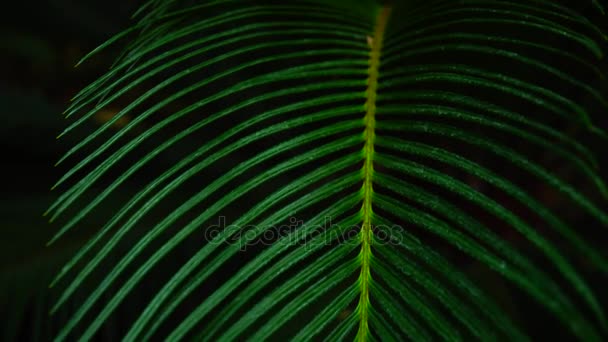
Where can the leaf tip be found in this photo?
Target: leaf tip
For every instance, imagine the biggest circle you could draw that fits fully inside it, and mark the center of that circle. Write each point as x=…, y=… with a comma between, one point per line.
x=52, y=241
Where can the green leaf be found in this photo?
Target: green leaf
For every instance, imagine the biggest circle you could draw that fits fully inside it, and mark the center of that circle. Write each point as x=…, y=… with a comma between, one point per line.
x=361, y=159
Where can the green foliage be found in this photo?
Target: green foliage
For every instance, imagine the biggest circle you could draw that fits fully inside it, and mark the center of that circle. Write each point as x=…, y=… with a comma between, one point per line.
x=407, y=141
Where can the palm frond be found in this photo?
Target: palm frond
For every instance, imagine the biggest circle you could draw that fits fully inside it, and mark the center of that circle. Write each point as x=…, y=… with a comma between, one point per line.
x=357, y=158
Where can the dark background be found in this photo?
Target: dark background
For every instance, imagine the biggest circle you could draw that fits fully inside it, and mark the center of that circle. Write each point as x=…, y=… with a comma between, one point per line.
x=40, y=42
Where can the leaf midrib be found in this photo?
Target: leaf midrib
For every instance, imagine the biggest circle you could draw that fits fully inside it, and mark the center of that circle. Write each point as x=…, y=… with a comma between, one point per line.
x=368, y=171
